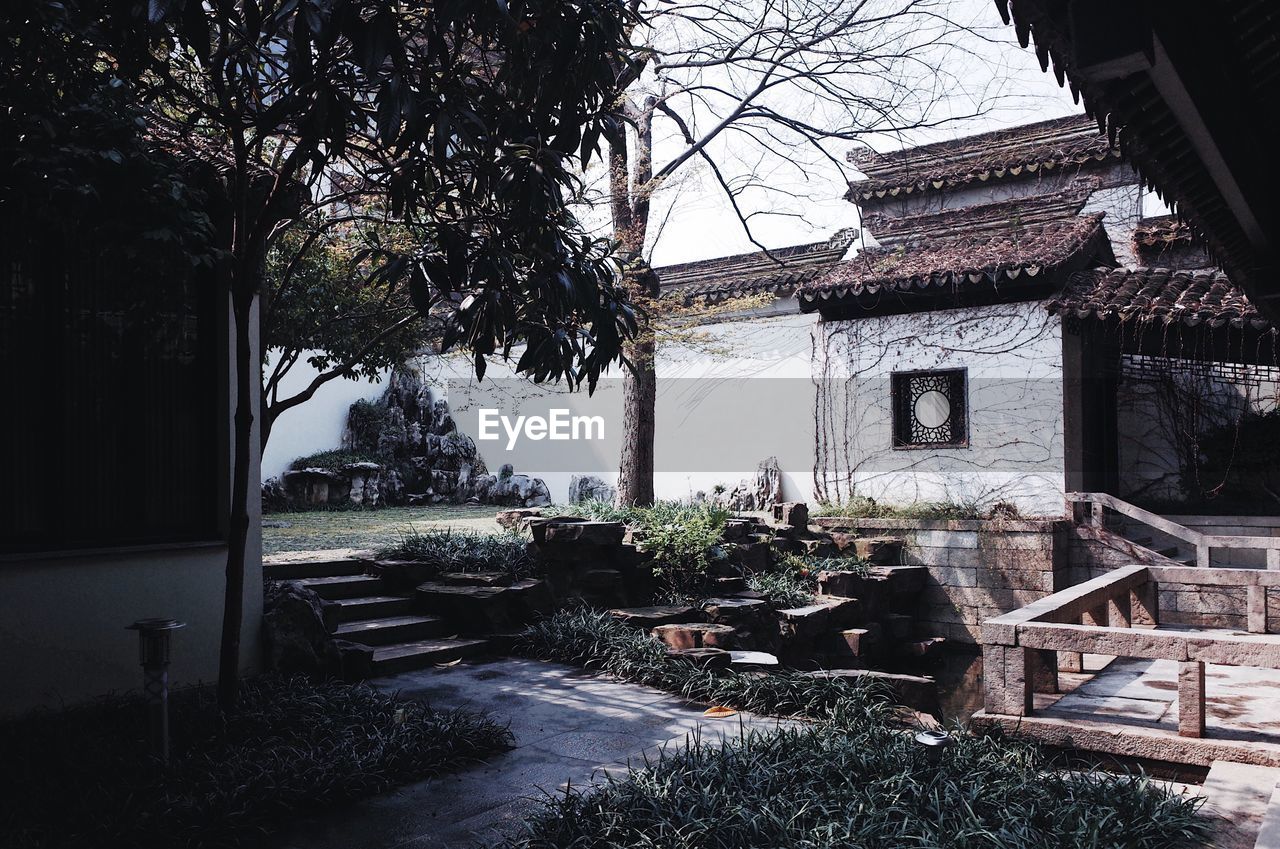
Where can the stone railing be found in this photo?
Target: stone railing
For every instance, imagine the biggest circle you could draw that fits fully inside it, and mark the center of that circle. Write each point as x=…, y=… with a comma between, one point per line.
x=1117, y=614
x=1097, y=503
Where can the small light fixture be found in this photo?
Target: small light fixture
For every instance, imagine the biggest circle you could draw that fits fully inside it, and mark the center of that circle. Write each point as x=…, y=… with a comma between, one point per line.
x=153, y=654
x=934, y=742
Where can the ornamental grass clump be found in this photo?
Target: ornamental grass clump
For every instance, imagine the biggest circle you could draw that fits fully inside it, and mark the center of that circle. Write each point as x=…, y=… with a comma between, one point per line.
x=82, y=776
x=847, y=782
x=451, y=550
x=598, y=641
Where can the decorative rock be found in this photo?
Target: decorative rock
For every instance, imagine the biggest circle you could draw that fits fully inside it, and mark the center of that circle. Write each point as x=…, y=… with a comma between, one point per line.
x=293, y=629
x=897, y=627
x=518, y=518
x=531, y=599
x=749, y=594
x=727, y=586
x=842, y=612
x=880, y=550
x=923, y=648
x=476, y=579
x=736, y=529
x=839, y=582
x=803, y=622
x=471, y=609
x=567, y=529
x=857, y=642
x=753, y=658
x=794, y=514
x=730, y=610
x=590, y=488
x=842, y=541
x=652, y=617
x=819, y=548
x=694, y=635
x=708, y=658
x=355, y=660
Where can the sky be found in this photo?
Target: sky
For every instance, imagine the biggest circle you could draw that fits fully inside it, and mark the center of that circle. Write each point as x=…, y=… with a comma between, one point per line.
x=693, y=221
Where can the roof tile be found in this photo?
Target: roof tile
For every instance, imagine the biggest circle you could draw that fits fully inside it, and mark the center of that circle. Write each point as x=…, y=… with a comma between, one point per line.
x=1203, y=296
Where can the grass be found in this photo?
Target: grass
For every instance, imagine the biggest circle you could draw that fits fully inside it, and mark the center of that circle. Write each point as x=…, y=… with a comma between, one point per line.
x=367, y=529
x=451, y=550
x=847, y=782
x=81, y=776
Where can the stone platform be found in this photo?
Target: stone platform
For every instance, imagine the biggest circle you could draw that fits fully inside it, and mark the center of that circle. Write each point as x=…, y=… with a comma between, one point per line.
x=1128, y=707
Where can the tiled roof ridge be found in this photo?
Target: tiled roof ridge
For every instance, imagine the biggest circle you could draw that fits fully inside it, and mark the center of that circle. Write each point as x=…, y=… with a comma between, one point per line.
x=721, y=278
x=1152, y=294
x=1030, y=250
x=999, y=214
x=1010, y=153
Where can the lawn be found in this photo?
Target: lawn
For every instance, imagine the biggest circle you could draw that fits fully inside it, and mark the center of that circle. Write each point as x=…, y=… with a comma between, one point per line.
x=324, y=529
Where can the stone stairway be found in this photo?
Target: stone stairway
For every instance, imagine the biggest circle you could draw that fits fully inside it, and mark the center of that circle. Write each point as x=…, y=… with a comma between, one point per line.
x=359, y=609
x=1242, y=802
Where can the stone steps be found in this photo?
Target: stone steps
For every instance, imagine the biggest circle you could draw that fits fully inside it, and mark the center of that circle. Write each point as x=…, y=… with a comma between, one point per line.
x=1238, y=801
x=343, y=610
x=336, y=587
x=390, y=630
x=405, y=657
x=302, y=569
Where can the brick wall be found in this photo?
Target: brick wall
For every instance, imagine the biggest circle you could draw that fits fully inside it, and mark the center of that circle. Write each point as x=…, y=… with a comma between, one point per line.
x=977, y=568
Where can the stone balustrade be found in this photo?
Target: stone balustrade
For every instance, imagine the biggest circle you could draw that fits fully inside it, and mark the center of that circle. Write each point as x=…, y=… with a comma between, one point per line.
x=1117, y=614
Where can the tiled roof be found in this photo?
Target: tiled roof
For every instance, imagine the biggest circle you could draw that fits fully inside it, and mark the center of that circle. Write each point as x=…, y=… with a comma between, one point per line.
x=992, y=243
x=1229, y=48
x=1062, y=143
x=714, y=280
x=1196, y=297
x=1162, y=231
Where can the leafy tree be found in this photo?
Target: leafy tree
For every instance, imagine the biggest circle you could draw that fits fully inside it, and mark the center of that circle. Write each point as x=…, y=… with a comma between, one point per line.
x=464, y=118
x=319, y=302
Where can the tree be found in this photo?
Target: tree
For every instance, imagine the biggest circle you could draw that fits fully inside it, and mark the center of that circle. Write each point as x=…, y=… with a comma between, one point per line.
x=758, y=91
x=464, y=117
x=318, y=301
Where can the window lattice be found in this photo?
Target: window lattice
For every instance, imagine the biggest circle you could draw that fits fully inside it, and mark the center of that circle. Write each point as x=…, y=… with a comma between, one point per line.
x=929, y=409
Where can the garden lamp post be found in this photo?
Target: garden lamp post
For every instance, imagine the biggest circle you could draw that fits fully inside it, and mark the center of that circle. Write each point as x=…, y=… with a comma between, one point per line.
x=153, y=652
x=934, y=742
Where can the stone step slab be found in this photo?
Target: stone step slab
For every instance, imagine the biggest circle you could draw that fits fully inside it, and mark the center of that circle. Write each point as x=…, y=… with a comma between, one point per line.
x=708, y=657
x=420, y=654
x=295, y=570
x=655, y=615
x=918, y=692
x=342, y=586
x=343, y=610
x=392, y=629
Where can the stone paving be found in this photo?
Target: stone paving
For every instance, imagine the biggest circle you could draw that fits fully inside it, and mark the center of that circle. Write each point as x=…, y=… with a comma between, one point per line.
x=1241, y=703
x=569, y=726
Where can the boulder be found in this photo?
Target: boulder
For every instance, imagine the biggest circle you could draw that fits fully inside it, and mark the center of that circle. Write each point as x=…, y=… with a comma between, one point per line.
x=567, y=529
x=518, y=518
x=590, y=488
x=897, y=626
x=882, y=551
x=354, y=660
x=708, y=658
x=693, y=635
x=752, y=658
x=476, y=579
x=470, y=609
x=727, y=611
x=803, y=622
x=294, y=634
x=842, y=612
x=793, y=514
x=652, y=617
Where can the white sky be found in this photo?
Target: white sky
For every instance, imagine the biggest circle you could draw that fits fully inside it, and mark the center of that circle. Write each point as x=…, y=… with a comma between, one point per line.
x=699, y=223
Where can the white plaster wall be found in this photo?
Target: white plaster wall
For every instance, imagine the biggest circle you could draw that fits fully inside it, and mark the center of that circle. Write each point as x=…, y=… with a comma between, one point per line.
x=1013, y=357
x=316, y=425
x=63, y=618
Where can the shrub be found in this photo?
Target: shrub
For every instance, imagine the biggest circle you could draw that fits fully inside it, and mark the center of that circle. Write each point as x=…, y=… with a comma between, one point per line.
x=852, y=783
x=683, y=539
x=861, y=507
x=333, y=460
x=82, y=777
x=452, y=550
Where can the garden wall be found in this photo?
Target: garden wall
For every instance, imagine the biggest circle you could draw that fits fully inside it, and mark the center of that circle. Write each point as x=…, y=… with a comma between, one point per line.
x=977, y=568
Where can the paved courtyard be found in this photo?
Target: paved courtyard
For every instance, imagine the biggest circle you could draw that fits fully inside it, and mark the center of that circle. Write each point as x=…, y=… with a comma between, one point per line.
x=569, y=726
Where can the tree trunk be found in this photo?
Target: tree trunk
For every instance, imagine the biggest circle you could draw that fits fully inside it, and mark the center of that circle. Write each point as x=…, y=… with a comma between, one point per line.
x=640, y=395
x=238, y=532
